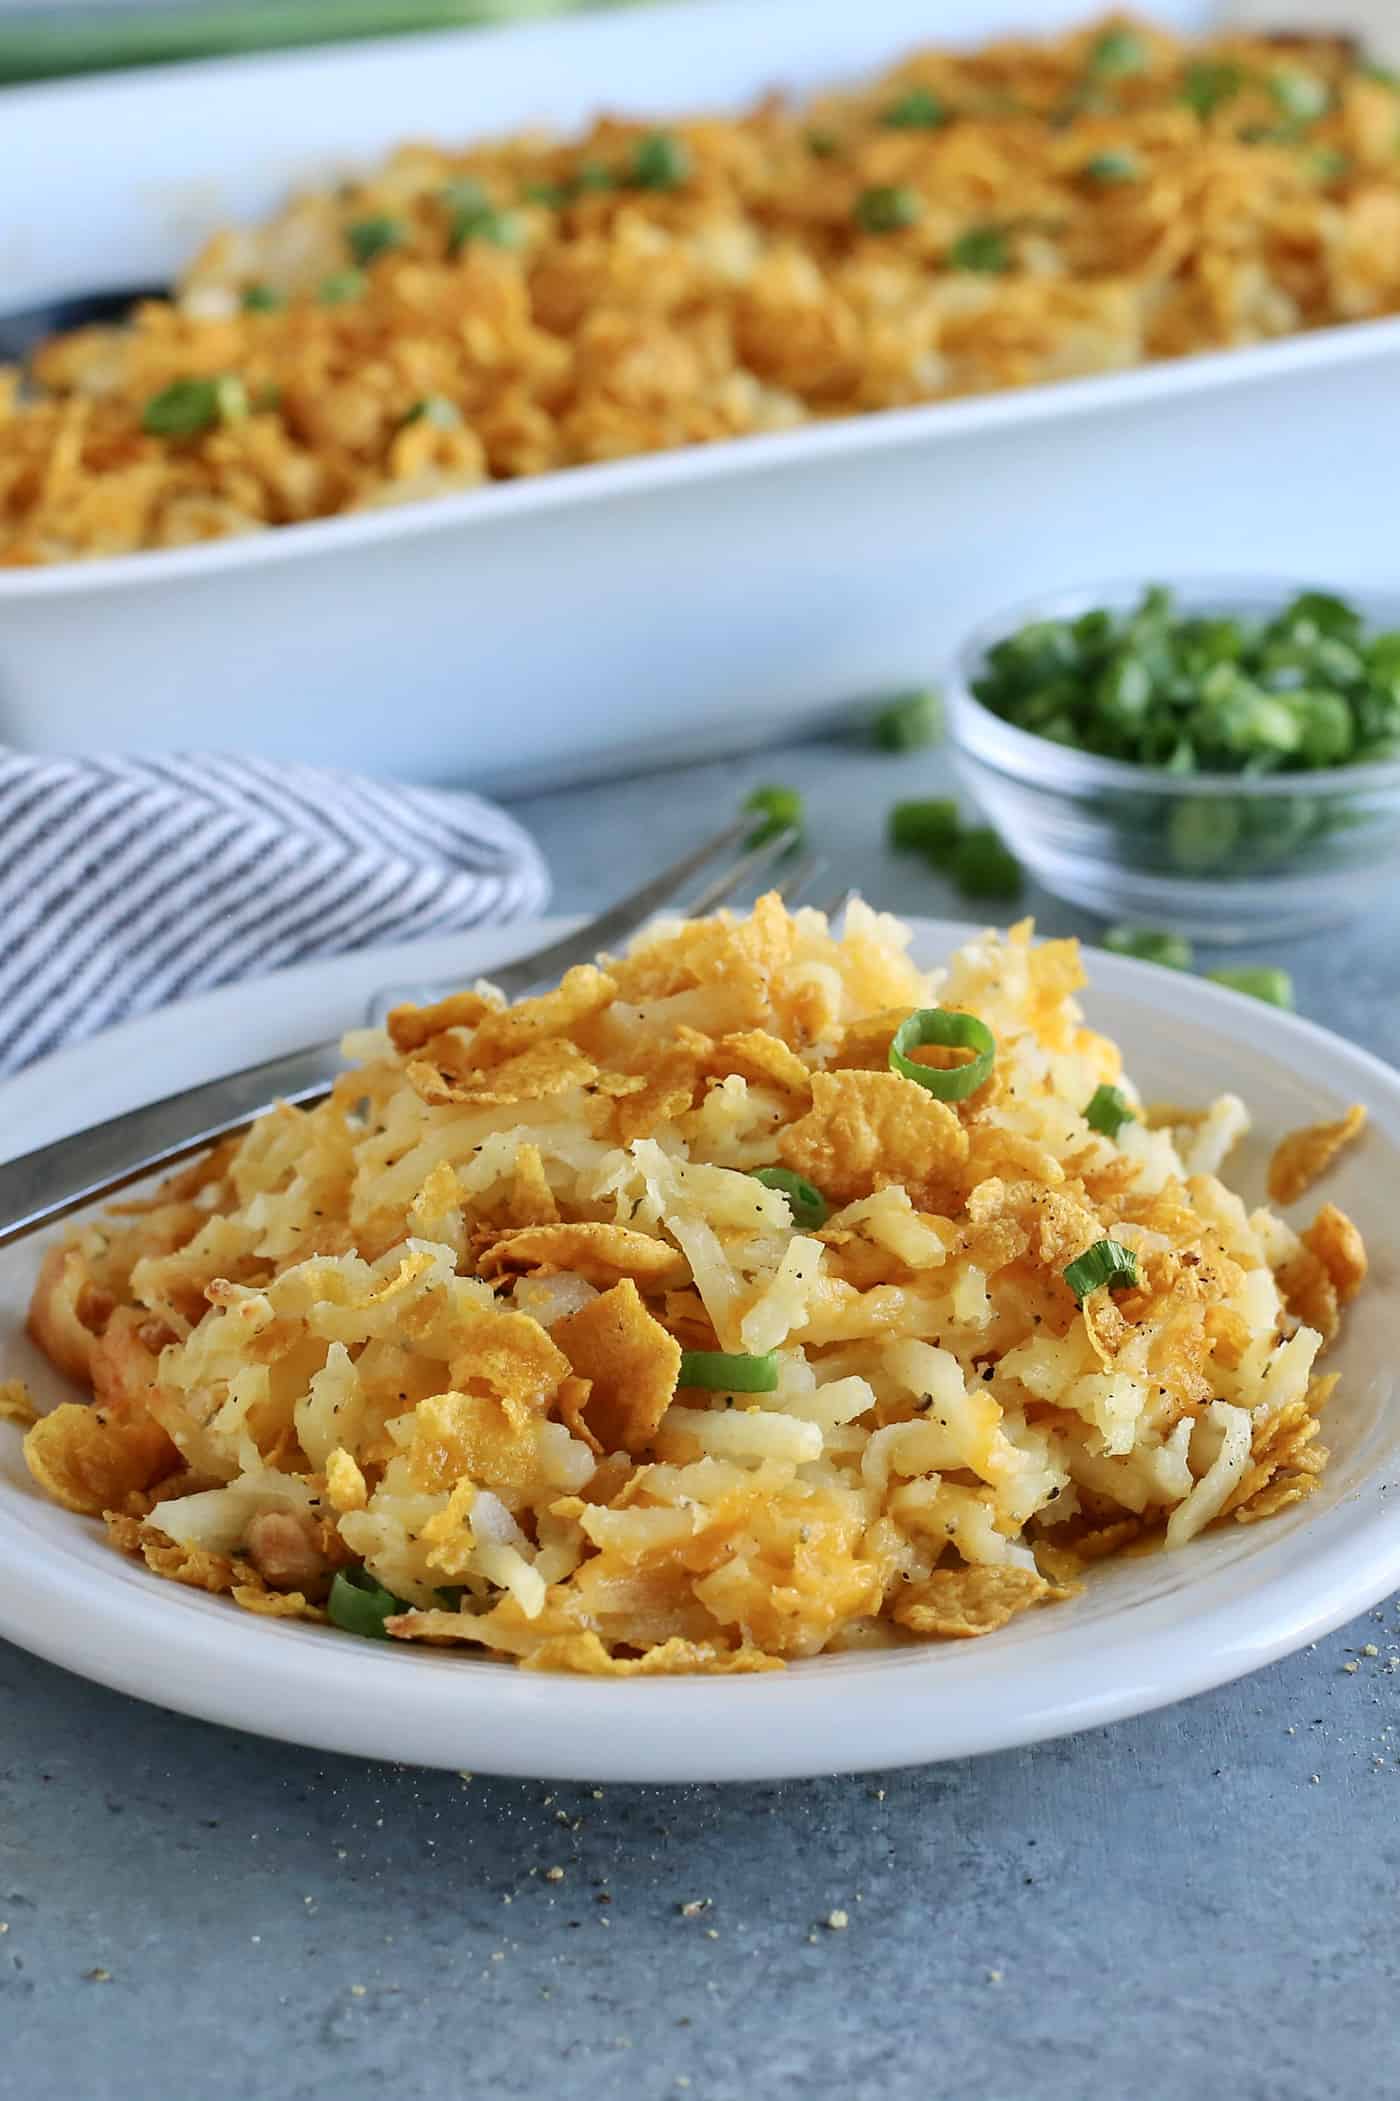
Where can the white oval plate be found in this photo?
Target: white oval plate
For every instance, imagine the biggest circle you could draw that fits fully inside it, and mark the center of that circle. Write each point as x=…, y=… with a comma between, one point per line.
x=1144, y=1633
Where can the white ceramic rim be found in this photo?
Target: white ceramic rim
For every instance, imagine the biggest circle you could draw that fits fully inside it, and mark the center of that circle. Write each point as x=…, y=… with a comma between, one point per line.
x=1022, y=755
x=858, y=1712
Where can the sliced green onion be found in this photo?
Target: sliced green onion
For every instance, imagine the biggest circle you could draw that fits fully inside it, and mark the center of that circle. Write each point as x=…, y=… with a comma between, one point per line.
x=551, y=194
x=887, y=208
x=369, y=238
x=1300, y=94
x=722, y=1373
x=808, y=1206
x=501, y=229
x=660, y=162
x=909, y=722
x=342, y=286
x=919, y=109
x=927, y=827
x=1107, y=1111
x=1114, y=167
x=473, y=217
x=1106, y=1262
x=591, y=176
x=779, y=808
x=822, y=145
x=436, y=409
x=1260, y=981
x=1329, y=164
x=1186, y=693
x=952, y=1030
x=359, y=1605
x=465, y=194
x=1201, y=832
x=262, y=299
x=982, y=248
x=983, y=867
x=1172, y=951
x=1117, y=52
x=1209, y=82
x=1326, y=727
x=188, y=406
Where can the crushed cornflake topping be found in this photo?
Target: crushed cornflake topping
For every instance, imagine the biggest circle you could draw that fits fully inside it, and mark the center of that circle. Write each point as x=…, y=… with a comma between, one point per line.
x=974, y=219
x=505, y=1348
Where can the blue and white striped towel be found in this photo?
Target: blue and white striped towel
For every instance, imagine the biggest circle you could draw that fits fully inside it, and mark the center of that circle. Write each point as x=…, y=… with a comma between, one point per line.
x=127, y=883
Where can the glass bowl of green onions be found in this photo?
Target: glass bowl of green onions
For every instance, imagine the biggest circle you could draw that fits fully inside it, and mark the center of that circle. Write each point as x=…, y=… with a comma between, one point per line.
x=1219, y=756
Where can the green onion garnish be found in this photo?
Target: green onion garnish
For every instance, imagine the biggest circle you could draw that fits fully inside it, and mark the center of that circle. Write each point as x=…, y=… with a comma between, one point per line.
x=808, y=1205
x=1299, y=94
x=501, y=229
x=722, y=1373
x=909, y=722
x=359, y=1605
x=918, y=109
x=1201, y=833
x=1114, y=167
x=436, y=409
x=591, y=176
x=1260, y=981
x=1184, y=693
x=982, y=867
x=1107, y=1111
x=342, y=286
x=822, y=145
x=262, y=299
x=1172, y=951
x=465, y=194
x=1106, y=1262
x=887, y=208
x=473, y=217
x=926, y=827
x=1117, y=52
x=659, y=162
x=188, y=406
x=1329, y=164
x=551, y=194
x=368, y=238
x=779, y=808
x=951, y=1030
x=1208, y=82
x=982, y=248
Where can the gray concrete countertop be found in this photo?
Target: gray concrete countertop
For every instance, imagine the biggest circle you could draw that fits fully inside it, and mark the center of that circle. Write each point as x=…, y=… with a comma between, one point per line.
x=1198, y=1903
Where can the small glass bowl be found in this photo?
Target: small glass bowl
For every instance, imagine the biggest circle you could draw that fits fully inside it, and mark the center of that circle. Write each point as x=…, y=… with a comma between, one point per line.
x=1221, y=857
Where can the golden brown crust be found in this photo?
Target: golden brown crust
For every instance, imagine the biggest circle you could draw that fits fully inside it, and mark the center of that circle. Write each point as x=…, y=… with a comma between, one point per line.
x=91, y=1459
x=749, y=295
x=630, y=1361
x=54, y=1322
x=1305, y=1155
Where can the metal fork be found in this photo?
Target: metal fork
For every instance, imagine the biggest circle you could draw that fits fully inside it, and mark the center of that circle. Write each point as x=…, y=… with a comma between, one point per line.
x=46, y=1185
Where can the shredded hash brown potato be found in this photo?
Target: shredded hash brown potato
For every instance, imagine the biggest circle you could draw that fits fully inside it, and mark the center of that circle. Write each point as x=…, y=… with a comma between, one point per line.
x=1028, y=212
x=350, y=1340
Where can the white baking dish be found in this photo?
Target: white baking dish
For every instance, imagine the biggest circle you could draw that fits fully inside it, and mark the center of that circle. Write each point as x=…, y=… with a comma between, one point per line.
x=659, y=608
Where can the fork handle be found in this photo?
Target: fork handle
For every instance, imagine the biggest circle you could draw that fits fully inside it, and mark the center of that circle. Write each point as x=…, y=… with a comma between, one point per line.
x=45, y=1185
